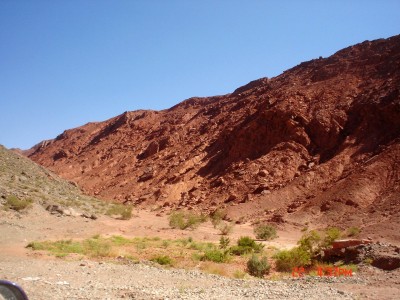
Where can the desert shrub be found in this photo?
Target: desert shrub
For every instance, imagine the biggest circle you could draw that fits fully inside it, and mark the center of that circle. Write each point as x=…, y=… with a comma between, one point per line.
x=310, y=242
x=215, y=255
x=217, y=216
x=258, y=267
x=286, y=260
x=246, y=245
x=225, y=228
x=162, y=260
x=224, y=242
x=14, y=203
x=240, y=250
x=185, y=220
x=331, y=234
x=314, y=242
x=177, y=220
x=309, y=248
x=246, y=241
x=353, y=231
x=265, y=232
x=123, y=211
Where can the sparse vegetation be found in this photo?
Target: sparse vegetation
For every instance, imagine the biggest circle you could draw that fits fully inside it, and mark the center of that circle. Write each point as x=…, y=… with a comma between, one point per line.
x=14, y=203
x=217, y=216
x=238, y=274
x=331, y=234
x=224, y=242
x=181, y=253
x=286, y=260
x=90, y=247
x=123, y=212
x=353, y=231
x=265, y=232
x=214, y=268
x=246, y=245
x=310, y=242
x=368, y=261
x=38, y=185
x=308, y=250
x=225, y=228
x=258, y=267
x=163, y=260
x=187, y=220
x=215, y=255
x=186, y=252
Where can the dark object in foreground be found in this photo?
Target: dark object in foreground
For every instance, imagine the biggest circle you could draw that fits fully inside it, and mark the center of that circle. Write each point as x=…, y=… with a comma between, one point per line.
x=11, y=291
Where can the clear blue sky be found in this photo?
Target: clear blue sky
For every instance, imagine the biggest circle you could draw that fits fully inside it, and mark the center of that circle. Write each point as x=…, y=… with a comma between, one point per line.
x=66, y=63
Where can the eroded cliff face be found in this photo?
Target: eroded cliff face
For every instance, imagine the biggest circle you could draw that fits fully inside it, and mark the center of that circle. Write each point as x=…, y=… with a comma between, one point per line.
x=321, y=141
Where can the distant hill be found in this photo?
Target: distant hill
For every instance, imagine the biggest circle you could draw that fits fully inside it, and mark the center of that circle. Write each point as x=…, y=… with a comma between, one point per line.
x=319, y=143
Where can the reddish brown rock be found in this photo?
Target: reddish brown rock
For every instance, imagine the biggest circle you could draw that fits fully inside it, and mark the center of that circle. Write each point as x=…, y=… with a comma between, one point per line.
x=348, y=243
x=327, y=127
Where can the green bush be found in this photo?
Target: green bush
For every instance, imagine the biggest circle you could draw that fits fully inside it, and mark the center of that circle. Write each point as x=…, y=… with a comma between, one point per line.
x=240, y=250
x=265, y=232
x=258, y=267
x=185, y=220
x=286, y=260
x=162, y=260
x=314, y=242
x=246, y=245
x=310, y=242
x=215, y=255
x=14, y=203
x=246, y=241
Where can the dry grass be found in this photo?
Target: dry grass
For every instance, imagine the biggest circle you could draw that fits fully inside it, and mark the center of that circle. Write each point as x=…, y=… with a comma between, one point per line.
x=179, y=253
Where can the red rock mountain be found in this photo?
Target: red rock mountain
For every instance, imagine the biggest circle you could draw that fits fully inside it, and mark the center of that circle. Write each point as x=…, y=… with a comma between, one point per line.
x=320, y=142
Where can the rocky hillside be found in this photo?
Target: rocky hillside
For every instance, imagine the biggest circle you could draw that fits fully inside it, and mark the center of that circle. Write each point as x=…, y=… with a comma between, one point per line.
x=25, y=182
x=319, y=143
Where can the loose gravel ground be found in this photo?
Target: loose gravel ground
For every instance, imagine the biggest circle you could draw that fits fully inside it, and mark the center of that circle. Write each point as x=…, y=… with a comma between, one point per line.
x=60, y=279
